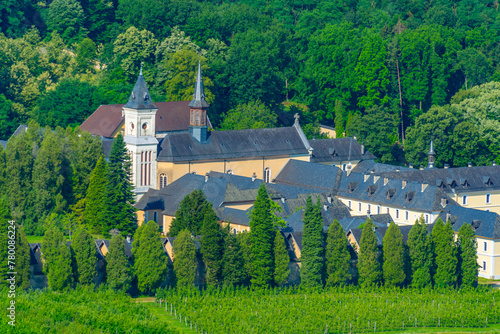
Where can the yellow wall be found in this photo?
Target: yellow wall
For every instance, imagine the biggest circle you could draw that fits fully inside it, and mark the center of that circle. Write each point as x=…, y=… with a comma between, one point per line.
x=243, y=167
x=239, y=228
x=329, y=132
x=140, y=217
x=477, y=200
x=170, y=251
x=295, y=248
x=167, y=222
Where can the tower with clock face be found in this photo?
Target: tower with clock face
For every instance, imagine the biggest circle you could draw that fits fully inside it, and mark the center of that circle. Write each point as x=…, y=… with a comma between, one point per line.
x=142, y=145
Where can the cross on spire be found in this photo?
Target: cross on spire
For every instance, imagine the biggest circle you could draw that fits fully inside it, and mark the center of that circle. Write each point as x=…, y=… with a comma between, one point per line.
x=296, y=116
x=142, y=63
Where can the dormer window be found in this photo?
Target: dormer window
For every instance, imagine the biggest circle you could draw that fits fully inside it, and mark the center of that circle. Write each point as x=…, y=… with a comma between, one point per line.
x=371, y=190
x=352, y=186
x=487, y=181
x=146, y=96
x=390, y=193
x=464, y=183
x=409, y=196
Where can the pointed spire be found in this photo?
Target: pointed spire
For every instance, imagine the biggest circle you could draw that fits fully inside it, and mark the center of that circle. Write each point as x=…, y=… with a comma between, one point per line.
x=140, y=98
x=431, y=155
x=431, y=150
x=199, y=92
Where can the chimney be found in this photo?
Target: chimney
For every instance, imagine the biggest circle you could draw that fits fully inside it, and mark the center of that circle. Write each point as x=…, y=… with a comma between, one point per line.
x=329, y=198
x=411, y=166
x=129, y=238
x=206, y=177
x=446, y=166
x=254, y=176
x=362, y=148
x=424, y=186
x=421, y=167
x=398, y=170
x=469, y=164
x=494, y=163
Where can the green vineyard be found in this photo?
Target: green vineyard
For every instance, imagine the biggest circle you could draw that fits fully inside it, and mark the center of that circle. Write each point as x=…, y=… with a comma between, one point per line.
x=341, y=310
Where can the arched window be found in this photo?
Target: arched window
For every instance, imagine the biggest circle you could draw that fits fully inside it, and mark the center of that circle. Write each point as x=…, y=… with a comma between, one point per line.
x=267, y=175
x=163, y=180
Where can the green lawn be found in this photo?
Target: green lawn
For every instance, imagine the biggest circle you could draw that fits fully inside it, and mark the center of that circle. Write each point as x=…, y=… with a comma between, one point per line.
x=39, y=239
x=160, y=314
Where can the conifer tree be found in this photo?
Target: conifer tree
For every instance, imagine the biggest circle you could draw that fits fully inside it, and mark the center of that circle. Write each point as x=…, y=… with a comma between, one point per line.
x=150, y=261
x=121, y=197
x=337, y=256
x=118, y=271
x=190, y=214
x=393, y=252
x=85, y=255
x=420, y=253
x=370, y=273
x=184, y=259
x=445, y=253
x=467, y=246
x=3, y=170
x=281, y=260
x=23, y=259
x=57, y=257
x=262, y=240
x=312, y=256
x=212, y=247
x=233, y=262
x=97, y=210
x=5, y=217
x=246, y=250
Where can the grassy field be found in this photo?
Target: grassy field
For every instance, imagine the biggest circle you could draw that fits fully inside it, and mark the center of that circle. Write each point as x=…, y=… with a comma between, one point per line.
x=163, y=316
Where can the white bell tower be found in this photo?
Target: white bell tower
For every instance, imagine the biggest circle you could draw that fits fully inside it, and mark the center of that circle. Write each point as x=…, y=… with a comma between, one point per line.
x=140, y=125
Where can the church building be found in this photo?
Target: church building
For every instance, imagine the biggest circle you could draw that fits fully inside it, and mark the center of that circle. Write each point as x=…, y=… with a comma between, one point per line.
x=167, y=140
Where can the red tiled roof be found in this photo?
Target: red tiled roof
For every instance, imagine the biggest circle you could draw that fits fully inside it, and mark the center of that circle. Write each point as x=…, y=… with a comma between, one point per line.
x=171, y=116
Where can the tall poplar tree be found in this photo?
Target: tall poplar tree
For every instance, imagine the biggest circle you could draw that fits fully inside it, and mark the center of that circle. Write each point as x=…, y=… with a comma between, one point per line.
x=445, y=253
x=5, y=217
x=57, y=258
x=420, y=253
x=393, y=253
x=337, y=256
x=281, y=260
x=312, y=255
x=261, y=240
x=212, y=247
x=190, y=214
x=97, y=210
x=150, y=260
x=467, y=254
x=85, y=255
x=370, y=273
x=184, y=259
x=23, y=259
x=118, y=271
x=121, y=197
x=233, y=262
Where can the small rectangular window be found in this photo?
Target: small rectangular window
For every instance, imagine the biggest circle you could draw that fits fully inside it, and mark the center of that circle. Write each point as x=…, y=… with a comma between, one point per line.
x=359, y=207
x=378, y=210
x=464, y=200
x=369, y=208
x=349, y=204
x=387, y=210
x=397, y=213
x=427, y=219
x=488, y=198
x=484, y=265
x=485, y=246
x=407, y=215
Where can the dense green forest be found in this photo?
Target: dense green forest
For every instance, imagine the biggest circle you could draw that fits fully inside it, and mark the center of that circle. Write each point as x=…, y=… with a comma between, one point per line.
x=394, y=74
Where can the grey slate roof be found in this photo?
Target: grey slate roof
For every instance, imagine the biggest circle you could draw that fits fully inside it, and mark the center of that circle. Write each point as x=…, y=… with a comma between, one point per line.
x=199, y=92
x=309, y=175
x=369, y=166
x=337, y=150
x=3, y=143
x=486, y=224
x=461, y=179
x=232, y=144
x=140, y=98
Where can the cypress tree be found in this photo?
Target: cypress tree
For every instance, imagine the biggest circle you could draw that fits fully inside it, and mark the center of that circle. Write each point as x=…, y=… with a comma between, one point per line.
x=281, y=260
x=5, y=218
x=467, y=254
x=97, y=209
x=445, y=254
x=57, y=257
x=184, y=259
x=3, y=170
x=246, y=250
x=261, y=240
x=121, y=197
x=23, y=259
x=212, y=247
x=420, y=253
x=393, y=252
x=118, y=271
x=370, y=273
x=150, y=261
x=85, y=256
x=190, y=214
x=338, y=258
x=233, y=262
x=312, y=256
